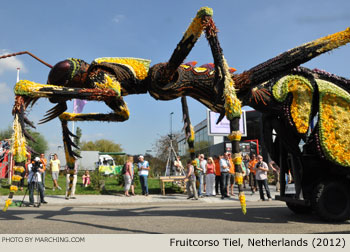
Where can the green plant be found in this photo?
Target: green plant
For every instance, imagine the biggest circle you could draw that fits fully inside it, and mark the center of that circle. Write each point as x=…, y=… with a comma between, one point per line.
x=97, y=180
x=120, y=180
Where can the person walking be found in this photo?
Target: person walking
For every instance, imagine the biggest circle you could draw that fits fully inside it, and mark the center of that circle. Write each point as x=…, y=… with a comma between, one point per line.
x=210, y=177
x=143, y=166
x=191, y=181
x=261, y=169
x=128, y=175
x=55, y=165
x=74, y=182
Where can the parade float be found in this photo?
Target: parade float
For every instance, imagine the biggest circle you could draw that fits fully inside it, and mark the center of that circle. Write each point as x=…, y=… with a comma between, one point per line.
x=299, y=105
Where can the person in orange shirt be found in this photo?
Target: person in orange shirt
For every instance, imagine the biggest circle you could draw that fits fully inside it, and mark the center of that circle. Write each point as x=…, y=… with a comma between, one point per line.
x=44, y=162
x=252, y=179
x=217, y=174
x=231, y=176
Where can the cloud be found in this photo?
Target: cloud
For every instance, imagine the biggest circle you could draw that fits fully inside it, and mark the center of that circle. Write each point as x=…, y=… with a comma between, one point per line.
x=10, y=64
x=4, y=93
x=118, y=18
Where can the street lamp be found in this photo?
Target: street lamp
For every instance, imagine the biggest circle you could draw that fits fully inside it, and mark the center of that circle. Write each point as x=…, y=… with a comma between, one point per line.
x=171, y=125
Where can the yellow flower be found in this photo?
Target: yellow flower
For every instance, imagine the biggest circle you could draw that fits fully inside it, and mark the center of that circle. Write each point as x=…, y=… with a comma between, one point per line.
x=19, y=150
x=16, y=178
x=334, y=123
x=13, y=188
x=196, y=26
x=18, y=169
x=239, y=179
x=302, y=90
x=243, y=202
x=8, y=202
x=333, y=41
x=191, y=138
x=138, y=66
x=235, y=135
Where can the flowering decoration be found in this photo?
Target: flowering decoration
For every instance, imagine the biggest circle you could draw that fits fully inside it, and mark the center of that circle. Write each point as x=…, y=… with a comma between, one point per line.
x=30, y=88
x=138, y=66
x=16, y=178
x=243, y=202
x=109, y=82
x=19, y=169
x=194, y=163
x=19, y=150
x=332, y=41
x=235, y=135
x=13, y=188
x=191, y=137
x=69, y=159
x=302, y=90
x=237, y=158
x=334, y=122
x=239, y=178
x=191, y=150
x=8, y=202
x=196, y=27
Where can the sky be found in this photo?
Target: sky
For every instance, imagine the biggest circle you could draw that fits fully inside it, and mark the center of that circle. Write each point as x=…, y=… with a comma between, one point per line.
x=250, y=32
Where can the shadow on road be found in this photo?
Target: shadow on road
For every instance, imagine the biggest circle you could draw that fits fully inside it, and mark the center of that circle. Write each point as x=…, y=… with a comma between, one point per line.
x=256, y=214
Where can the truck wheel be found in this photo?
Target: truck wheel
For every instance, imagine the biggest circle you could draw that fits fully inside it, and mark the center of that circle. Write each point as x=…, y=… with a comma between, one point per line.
x=331, y=201
x=299, y=209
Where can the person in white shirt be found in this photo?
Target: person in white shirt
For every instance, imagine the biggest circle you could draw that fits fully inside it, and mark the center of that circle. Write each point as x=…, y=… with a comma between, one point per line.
x=224, y=169
x=143, y=166
x=201, y=175
x=55, y=165
x=261, y=169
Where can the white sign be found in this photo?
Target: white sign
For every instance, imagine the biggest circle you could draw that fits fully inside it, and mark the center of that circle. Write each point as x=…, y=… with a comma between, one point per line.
x=223, y=127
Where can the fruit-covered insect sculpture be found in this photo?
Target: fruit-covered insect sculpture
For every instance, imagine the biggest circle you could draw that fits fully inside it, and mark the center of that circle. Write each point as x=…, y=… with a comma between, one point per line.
x=289, y=96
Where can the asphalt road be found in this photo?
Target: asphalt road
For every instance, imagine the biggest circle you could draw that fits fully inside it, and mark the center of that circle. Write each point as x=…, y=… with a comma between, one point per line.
x=182, y=218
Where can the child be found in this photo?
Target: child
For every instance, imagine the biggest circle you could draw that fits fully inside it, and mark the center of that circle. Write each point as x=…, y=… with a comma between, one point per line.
x=86, y=179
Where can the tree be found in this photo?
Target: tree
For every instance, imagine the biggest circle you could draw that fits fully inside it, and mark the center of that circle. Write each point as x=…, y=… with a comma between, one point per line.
x=157, y=165
x=103, y=145
x=40, y=145
x=162, y=147
x=201, y=146
x=6, y=133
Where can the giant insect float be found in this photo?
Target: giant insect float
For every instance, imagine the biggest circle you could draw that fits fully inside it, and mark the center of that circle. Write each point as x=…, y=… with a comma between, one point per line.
x=289, y=96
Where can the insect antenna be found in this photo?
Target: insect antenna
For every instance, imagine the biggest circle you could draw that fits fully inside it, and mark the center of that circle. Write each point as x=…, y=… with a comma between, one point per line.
x=26, y=52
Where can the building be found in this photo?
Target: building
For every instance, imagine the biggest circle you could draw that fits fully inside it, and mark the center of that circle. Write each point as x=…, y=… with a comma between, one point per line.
x=211, y=145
